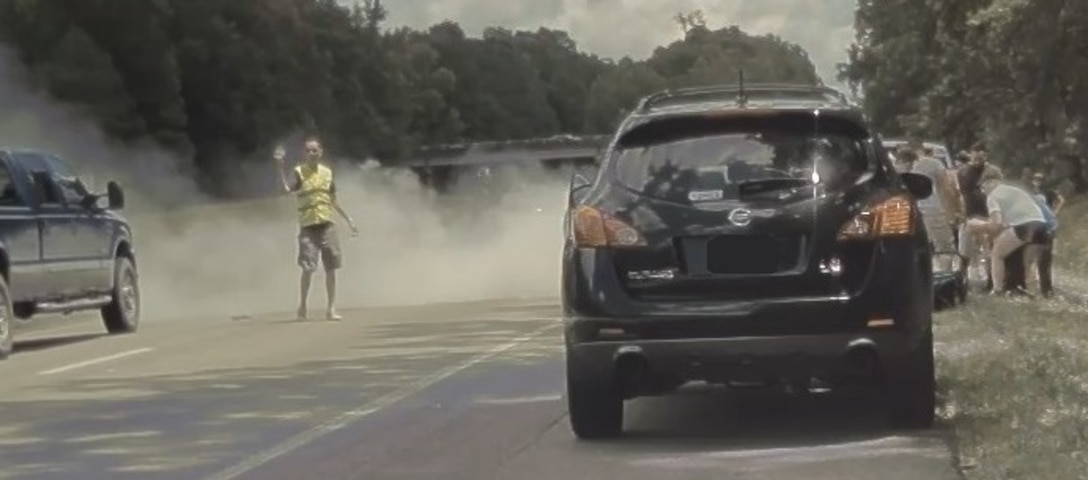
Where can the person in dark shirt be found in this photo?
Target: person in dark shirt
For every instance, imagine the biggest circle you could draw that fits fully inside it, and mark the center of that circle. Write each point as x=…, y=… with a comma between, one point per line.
x=1053, y=200
x=968, y=176
x=973, y=205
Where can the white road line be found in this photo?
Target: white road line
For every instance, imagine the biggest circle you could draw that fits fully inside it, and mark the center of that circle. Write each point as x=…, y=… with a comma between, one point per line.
x=369, y=408
x=513, y=318
x=519, y=400
x=95, y=361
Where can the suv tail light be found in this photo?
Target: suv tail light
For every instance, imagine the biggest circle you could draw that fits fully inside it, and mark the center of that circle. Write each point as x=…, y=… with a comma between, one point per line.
x=891, y=218
x=596, y=229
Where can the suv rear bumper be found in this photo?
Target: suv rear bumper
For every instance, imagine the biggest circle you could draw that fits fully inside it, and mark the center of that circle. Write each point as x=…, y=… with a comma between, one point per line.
x=829, y=339
x=749, y=359
x=593, y=296
x=864, y=334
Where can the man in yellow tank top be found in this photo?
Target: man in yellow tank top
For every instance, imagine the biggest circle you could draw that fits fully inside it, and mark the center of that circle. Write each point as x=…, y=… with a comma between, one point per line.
x=313, y=185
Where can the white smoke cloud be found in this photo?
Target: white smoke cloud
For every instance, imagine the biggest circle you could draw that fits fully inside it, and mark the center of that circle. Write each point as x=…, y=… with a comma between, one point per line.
x=234, y=259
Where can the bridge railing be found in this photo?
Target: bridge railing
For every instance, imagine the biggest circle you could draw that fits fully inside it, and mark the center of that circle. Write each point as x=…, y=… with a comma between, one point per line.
x=279, y=206
x=559, y=142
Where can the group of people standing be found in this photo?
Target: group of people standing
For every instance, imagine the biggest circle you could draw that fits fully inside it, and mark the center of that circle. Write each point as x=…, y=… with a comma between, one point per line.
x=991, y=219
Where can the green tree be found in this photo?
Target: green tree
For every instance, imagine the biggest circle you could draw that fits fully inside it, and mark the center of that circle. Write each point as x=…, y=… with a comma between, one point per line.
x=219, y=82
x=1005, y=72
x=79, y=72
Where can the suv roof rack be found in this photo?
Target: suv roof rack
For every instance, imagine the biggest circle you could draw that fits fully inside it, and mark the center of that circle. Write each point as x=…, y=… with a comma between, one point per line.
x=743, y=93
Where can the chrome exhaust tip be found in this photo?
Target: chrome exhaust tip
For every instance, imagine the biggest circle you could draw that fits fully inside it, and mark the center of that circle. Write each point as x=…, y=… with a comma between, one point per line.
x=862, y=360
x=631, y=367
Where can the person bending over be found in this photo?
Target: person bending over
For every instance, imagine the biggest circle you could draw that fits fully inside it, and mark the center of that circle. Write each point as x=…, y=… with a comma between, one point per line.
x=1015, y=221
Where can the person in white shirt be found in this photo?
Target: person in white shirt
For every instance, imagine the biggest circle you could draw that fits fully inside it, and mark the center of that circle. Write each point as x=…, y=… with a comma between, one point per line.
x=1015, y=221
x=935, y=208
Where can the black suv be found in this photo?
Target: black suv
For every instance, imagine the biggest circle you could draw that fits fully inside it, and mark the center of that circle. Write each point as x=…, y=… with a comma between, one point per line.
x=62, y=248
x=748, y=236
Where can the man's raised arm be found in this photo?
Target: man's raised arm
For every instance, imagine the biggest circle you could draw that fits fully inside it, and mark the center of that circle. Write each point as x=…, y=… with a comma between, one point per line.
x=280, y=156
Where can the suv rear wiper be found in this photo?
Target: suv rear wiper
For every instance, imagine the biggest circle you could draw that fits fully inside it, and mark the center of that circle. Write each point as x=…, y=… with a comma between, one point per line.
x=755, y=187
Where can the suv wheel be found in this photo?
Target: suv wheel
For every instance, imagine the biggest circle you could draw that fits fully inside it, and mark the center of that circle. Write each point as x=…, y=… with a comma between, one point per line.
x=7, y=319
x=595, y=403
x=122, y=315
x=912, y=391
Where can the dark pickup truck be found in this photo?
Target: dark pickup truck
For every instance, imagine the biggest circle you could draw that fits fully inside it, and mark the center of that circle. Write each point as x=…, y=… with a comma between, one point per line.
x=62, y=248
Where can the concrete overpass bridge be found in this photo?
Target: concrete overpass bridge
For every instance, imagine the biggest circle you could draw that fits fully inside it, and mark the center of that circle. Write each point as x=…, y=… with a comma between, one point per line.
x=534, y=149
x=437, y=166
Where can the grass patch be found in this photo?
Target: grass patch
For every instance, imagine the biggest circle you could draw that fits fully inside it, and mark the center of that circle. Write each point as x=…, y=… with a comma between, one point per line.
x=1013, y=379
x=1013, y=375
x=1071, y=245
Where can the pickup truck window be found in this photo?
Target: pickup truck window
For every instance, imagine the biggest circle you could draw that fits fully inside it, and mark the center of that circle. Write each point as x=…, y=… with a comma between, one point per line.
x=45, y=185
x=9, y=197
x=67, y=180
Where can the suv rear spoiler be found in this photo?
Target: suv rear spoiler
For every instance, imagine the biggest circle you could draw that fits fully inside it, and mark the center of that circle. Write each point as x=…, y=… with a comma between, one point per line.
x=674, y=127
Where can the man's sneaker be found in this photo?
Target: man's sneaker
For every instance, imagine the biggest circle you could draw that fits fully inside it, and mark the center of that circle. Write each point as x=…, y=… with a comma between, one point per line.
x=333, y=315
x=1023, y=293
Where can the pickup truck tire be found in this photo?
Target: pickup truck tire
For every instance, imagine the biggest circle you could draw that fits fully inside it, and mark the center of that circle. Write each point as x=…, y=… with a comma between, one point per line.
x=595, y=403
x=7, y=318
x=122, y=315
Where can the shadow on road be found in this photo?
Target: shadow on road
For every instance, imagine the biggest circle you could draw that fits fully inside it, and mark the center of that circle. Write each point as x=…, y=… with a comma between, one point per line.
x=127, y=425
x=505, y=413
x=710, y=433
x=715, y=416
x=45, y=343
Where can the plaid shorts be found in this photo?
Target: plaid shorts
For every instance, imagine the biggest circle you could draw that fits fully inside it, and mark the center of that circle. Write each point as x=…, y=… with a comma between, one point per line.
x=316, y=243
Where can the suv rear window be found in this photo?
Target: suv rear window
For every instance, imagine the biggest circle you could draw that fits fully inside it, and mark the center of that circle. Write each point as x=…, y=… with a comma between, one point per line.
x=705, y=159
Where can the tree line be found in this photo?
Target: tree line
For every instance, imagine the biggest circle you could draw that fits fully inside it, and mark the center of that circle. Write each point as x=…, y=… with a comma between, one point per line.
x=218, y=82
x=1008, y=73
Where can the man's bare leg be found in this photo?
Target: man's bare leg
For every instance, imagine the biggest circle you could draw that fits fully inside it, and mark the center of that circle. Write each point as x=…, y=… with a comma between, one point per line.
x=1032, y=254
x=1002, y=246
x=330, y=292
x=304, y=292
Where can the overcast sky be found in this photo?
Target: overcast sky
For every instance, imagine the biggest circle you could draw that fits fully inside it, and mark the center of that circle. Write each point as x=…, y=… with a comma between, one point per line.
x=615, y=28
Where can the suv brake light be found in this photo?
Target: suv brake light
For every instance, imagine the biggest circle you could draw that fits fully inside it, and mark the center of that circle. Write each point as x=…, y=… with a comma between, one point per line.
x=596, y=229
x=891, y=218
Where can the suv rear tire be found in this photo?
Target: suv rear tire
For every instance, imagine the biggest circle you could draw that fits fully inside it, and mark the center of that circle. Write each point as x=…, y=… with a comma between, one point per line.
x=912, y=393
x=122, y=315
x=7, y=321
x=595, y=403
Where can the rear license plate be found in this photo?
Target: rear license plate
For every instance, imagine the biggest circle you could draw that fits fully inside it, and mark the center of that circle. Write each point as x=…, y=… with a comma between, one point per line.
x=750, y=254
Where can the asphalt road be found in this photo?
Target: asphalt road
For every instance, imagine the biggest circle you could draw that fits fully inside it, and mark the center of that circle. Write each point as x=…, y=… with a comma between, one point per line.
x=437, y=392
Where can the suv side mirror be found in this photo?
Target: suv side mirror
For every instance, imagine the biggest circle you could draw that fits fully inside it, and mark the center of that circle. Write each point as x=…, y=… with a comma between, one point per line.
x=919, y=185
x=578, y=182
x=115, y=195
x=578, y=187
